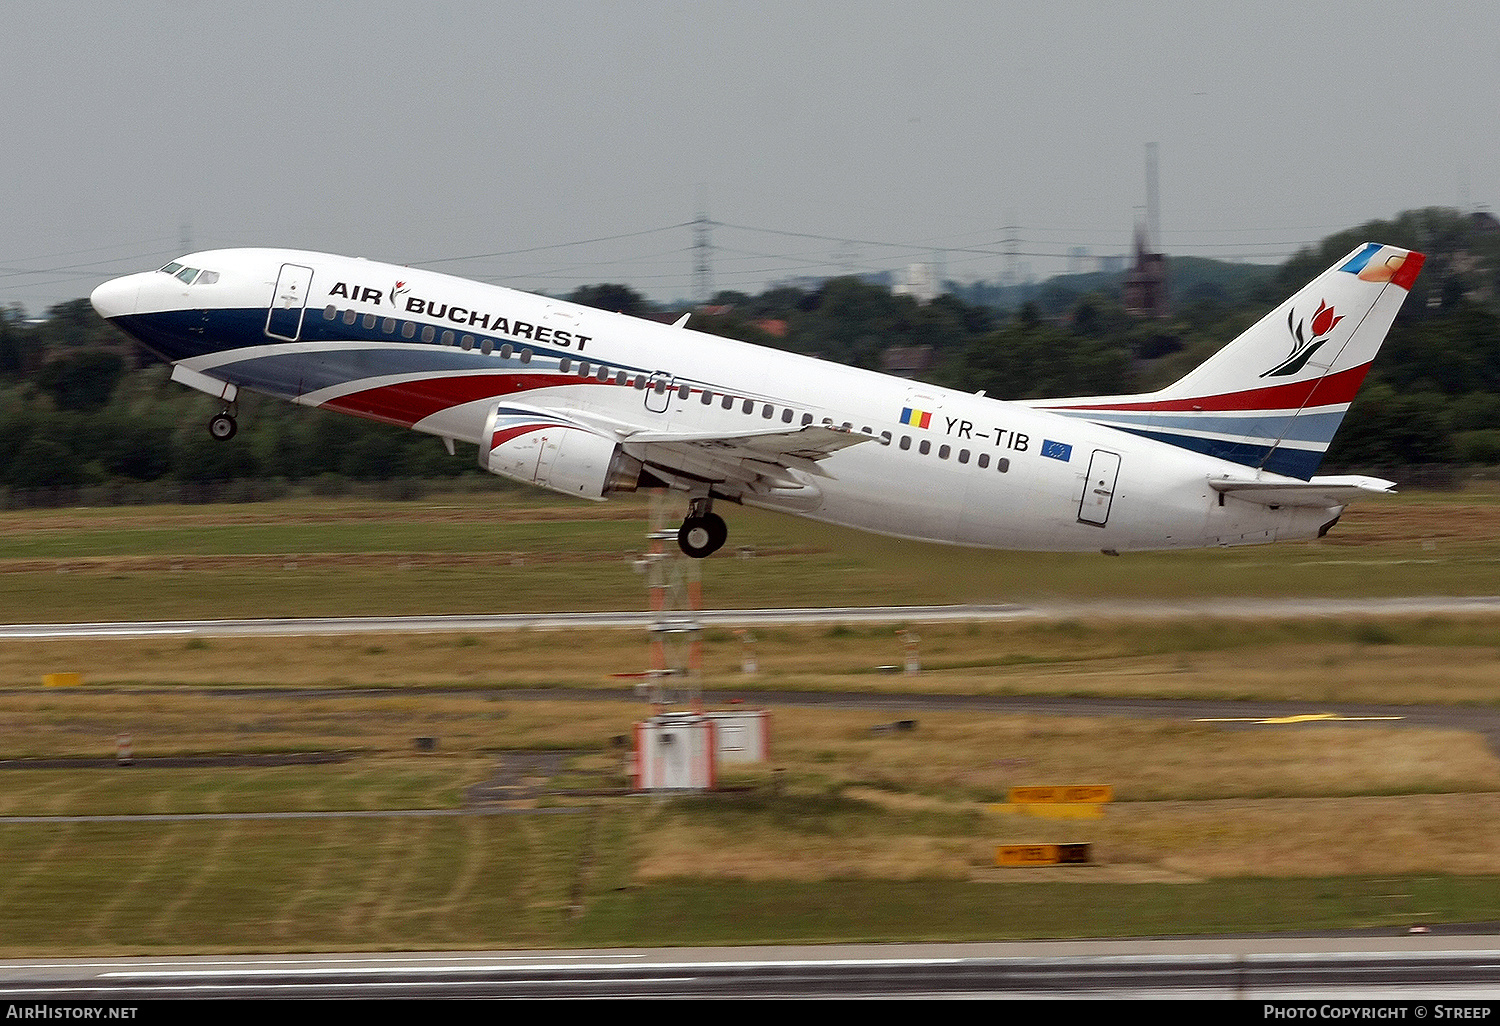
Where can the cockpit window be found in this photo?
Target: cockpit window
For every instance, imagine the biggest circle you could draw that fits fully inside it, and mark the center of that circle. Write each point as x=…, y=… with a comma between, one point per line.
x=190, y=275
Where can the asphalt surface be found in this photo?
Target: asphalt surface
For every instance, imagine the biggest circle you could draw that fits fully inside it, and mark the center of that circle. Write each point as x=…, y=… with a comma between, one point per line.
x=1430, y=967
x=1217, y=607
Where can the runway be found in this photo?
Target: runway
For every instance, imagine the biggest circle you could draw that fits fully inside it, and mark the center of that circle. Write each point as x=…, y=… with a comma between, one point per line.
x=1421, y=968
x=1234, y=608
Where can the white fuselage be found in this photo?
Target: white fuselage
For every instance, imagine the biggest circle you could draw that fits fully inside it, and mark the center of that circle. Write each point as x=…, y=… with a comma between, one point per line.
x=982, y=472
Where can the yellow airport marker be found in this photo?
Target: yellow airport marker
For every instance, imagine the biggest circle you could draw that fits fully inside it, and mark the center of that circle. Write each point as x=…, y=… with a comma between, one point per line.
x=1050, y=810
x=62, y=680
x=1299, y=718
x=1043, y=854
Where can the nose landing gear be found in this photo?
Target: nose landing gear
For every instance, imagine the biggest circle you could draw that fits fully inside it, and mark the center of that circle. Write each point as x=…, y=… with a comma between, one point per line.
x=703, y=531
x=223, y=426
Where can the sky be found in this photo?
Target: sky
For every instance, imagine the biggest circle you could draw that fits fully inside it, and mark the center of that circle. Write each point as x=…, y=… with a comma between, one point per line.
x=548, y=145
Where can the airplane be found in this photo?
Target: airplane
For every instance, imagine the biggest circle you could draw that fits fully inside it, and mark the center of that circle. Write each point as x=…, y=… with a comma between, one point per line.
x=590, y=403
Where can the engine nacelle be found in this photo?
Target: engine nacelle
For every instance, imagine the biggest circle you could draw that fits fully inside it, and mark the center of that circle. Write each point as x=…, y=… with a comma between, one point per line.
x=543, y=448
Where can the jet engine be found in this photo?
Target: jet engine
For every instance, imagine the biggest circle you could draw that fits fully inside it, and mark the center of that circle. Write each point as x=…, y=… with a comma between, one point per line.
x=542, y=448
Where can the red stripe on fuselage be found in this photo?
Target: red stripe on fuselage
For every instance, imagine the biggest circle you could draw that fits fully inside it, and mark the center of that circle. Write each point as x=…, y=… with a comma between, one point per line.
x=1324, y=391
x=407, y=402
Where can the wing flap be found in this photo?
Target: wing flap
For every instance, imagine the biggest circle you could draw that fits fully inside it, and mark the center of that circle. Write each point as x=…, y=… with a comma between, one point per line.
x=758, y=461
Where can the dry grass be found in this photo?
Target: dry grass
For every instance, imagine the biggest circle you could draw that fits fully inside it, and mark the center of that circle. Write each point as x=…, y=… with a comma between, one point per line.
x=1178, y=841
x=1451, y=660
x=163, y=723
x=982, y=756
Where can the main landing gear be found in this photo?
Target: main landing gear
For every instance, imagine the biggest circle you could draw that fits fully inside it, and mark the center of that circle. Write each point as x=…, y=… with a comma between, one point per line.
x=703, y=531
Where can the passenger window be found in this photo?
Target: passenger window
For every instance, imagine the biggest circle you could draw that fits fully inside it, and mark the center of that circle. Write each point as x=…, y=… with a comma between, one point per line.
x=408, y=329
x=768, y=411
x=389, y=327
x=487, y=346
x=602, y=373
x=660, y=386
x=330, y=312
x=505, y=351
x=905, y=442
x=708, y=397
x=925, y=447
x=963, y=455
x=728, y=402
x=787, y=415
x=749, y=406
x=428, y=333
x=944, y=451
x=984, y=460
x=447, y=338
x=467, y=342
x=684, y=390
x=350, y=316
x=526, y=356
x=584, y=370
x=369, y=320
x=640, y=382
x=1002, y=464
x=885, y=438
x=807, y=419
x=564, y=365
x=621, y=378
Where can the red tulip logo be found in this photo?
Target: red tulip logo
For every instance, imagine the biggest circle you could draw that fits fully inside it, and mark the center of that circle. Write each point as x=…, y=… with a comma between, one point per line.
x=1304, y=345
x=1324, y=320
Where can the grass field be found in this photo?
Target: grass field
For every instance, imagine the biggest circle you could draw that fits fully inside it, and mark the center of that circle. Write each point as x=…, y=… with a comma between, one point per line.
x=504, y=552
x=847, y=834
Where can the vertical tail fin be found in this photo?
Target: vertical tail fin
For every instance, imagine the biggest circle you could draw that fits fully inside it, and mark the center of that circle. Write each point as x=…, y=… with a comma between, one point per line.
x=1273, y=398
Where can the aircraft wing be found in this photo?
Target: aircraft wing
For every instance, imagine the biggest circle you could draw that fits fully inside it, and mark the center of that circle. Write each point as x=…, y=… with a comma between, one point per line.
x=1320, y=491
x=762, y=462
x=759, y=461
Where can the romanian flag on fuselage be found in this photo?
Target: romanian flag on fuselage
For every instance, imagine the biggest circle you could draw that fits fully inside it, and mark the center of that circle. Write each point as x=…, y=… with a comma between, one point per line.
x=916, y=418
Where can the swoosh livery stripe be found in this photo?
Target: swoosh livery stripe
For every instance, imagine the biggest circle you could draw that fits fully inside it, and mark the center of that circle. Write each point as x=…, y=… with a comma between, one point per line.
x=1291, y=462
x=410, y=401
x=1325, y=391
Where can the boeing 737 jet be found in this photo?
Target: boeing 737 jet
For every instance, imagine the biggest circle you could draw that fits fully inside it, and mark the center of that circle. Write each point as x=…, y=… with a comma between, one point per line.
x=589, y=403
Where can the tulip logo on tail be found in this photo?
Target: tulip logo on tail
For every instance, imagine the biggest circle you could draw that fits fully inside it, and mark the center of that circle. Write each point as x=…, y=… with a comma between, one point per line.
x=1304, y=345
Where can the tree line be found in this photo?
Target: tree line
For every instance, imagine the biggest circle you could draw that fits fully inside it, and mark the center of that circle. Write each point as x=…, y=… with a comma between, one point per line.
x=81, y=405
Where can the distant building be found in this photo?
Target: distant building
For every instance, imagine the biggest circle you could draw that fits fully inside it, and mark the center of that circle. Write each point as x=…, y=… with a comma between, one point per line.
x=920, y=283
x=1145, y=289
x=773, y=326
x=1484, y=223
x=906, y=361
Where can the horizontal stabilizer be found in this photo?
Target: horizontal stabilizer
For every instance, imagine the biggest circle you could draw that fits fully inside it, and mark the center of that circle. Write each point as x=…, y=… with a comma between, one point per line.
x=1321, y=492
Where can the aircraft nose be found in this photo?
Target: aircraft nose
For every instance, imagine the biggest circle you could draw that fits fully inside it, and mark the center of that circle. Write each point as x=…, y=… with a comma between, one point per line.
x=117, y=297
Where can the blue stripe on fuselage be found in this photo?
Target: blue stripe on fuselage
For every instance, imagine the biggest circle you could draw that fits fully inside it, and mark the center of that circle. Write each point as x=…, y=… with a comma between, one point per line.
x=1302, y=463
x=183, y=334
x=1304, y=427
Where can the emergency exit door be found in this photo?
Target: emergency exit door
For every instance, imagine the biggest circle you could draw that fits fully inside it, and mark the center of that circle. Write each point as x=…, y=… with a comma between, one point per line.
x=284, y=320
x=1099, y=488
